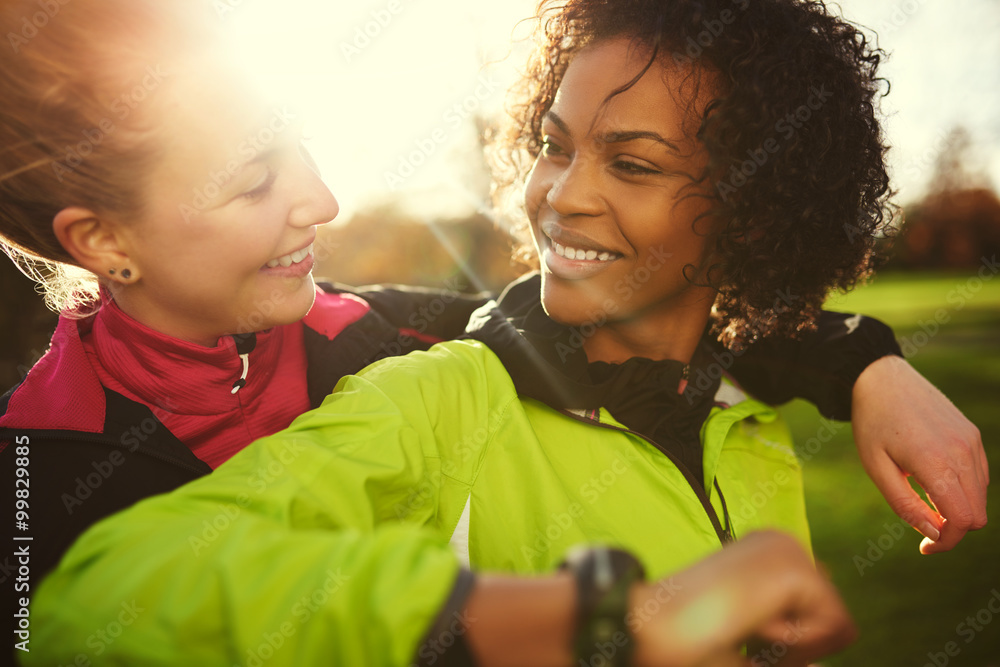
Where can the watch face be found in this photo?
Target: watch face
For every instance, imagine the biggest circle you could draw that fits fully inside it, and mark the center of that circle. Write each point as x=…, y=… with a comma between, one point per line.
x=604, y=577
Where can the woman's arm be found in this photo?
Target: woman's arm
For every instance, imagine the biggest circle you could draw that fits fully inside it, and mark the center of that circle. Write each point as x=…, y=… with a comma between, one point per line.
x=274, y=554
x=439, y=314
x=852, y=368
x=821, y=368
x=903, y=425
x=763, y=590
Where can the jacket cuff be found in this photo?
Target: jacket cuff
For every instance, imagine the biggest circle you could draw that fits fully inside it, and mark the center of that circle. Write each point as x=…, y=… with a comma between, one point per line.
x=850, y=345
x=444, y=644
x=871, y=341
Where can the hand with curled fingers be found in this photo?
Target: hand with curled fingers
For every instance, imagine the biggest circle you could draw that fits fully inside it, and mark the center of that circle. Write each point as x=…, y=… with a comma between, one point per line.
x=763, y=591
x=904, y=426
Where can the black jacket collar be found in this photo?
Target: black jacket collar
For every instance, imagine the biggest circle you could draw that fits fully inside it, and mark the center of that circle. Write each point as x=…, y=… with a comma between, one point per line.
x=546, y=361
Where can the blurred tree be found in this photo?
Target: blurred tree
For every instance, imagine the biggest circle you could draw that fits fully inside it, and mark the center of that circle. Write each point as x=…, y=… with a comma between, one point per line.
x=400, y=241
x=957, y=223
x=389, y=245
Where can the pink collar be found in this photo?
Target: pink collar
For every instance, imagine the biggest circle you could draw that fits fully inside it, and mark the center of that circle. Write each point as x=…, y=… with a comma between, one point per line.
x=151, y=366
x=64, y=390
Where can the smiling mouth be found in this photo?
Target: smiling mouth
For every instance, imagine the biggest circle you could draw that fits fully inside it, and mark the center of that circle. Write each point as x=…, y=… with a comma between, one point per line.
x=291, y=258
x=579, y=254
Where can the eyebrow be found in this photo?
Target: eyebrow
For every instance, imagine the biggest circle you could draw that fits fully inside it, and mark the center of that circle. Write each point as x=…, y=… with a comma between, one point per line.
x=557, y=121
x=624, y=137
x=618, y=137
x=261, y=156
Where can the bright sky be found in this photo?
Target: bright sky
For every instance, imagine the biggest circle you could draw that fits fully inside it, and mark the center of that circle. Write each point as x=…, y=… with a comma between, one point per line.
x=389, y=86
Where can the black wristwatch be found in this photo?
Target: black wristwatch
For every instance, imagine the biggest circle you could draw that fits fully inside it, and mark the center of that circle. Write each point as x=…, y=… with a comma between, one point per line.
x=603, y=579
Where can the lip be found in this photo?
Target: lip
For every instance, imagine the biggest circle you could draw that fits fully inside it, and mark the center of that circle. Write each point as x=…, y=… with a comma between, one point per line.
x=572, y=269
x=300, y=270
x=567, y=237
x=296, y=270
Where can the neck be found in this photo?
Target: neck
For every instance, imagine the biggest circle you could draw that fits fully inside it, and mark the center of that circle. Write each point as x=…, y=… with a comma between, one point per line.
x=672, y=333
x=173, y=327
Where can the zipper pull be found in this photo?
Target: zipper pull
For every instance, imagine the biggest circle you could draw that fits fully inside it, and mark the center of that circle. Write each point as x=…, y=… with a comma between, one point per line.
x=245, y=343
x=727, y=533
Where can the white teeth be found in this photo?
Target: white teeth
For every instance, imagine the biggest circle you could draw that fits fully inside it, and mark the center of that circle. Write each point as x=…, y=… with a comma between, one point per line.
x=577, y=254
x=291, y=258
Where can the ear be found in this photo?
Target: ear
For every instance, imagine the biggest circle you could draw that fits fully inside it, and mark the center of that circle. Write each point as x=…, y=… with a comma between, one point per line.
x=91, y=240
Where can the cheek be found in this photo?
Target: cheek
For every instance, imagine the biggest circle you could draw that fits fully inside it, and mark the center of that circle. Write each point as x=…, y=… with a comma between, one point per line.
x=535, y=190
x=674, y=225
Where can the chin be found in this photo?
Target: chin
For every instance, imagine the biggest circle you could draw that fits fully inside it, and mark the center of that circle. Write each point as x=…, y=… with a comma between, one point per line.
x=299, y=303
x=279, y=309
x=572, y=310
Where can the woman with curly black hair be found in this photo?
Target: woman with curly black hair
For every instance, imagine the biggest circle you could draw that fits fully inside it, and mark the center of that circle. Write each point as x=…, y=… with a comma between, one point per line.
x=781, y=97
x=782, y=170
x=692, y=165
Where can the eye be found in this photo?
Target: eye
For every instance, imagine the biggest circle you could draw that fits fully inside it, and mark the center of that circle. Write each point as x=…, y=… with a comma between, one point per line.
x=551, y=149
x=634, y=168
x=262, y=190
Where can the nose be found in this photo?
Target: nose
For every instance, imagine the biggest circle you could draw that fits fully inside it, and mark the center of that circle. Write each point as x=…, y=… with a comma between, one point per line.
x=575, y=190
x=314, y=203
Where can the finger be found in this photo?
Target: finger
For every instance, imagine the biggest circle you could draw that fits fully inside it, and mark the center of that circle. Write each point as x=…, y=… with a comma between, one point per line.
x=952, y=530
x=966, y=459
x=981, y=477
x=978, y=461
x=957, y=513
x=978, y=492
x=949, y=498
x=962, y=503
x=980, y=454
x=815, y=624
x=985, y=463
x=826, y=630
x=950, y=536
x=971, y=455
x=904, y=501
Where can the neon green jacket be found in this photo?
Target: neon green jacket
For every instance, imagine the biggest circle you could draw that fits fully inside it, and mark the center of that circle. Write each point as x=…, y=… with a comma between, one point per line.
x=328, y=543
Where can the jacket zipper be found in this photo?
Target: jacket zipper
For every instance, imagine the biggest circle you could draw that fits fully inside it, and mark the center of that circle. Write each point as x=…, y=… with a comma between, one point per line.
x=725, y=534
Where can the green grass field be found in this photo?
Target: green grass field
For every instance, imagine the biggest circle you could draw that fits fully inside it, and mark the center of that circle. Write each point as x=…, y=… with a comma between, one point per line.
x=909, y=607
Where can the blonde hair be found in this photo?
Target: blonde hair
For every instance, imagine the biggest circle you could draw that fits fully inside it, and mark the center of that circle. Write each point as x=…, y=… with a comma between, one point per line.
x=74, y=78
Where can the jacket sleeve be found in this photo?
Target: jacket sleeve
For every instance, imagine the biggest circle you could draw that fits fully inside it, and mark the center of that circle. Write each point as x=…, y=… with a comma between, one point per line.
x=322, y=544
x=436, y=314
x=820, y=368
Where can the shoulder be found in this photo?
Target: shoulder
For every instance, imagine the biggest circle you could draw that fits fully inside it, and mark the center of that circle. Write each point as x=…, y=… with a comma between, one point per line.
x=468, y=362
x=450, y=401
x=464, y=379
x=344, y=333
x=61, y=391
x=334, y=310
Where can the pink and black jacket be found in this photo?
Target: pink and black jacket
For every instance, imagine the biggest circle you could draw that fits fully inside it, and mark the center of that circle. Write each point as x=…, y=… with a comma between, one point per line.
x=115, y=412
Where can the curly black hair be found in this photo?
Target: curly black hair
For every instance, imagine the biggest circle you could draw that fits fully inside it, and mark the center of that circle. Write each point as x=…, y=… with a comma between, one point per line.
x=796, y=176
